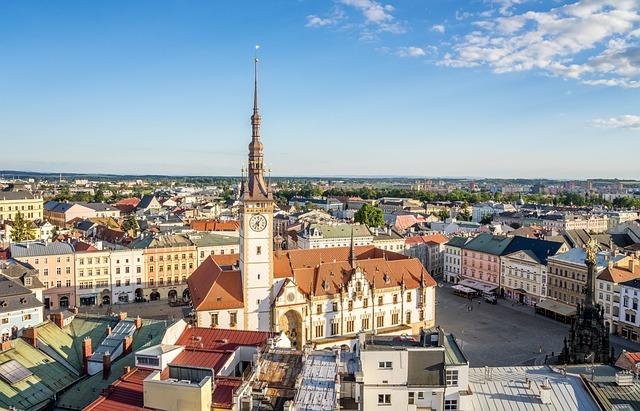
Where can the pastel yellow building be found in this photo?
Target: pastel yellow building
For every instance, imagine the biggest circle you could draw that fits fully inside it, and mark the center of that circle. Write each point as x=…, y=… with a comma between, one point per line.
x=24, y=202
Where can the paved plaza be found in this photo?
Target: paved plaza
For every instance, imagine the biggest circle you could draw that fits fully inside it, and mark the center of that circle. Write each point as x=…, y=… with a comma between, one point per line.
x=503, y=334
x=158, y=310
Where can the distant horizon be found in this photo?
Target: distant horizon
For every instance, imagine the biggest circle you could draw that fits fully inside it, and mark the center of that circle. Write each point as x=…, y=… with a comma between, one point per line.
x=52, y=174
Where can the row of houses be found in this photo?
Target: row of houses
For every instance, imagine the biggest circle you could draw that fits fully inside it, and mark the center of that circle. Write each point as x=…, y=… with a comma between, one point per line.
x=77, y=273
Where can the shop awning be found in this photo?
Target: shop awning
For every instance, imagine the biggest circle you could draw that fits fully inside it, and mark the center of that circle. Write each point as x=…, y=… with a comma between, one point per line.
x=477, y=285
x=556, y=307
x=463, y=289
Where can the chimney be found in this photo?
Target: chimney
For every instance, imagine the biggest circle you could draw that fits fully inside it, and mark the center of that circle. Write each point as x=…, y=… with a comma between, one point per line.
x=87, y=351
x=632, y=265
x=545, y=392
x=106, y=365
x=30, y=335
x=108, y=330
x=57, y=319
x=122, y=316
x=138, y=322
x=127, y=344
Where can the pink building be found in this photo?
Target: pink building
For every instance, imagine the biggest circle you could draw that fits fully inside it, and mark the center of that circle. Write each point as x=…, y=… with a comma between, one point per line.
x=481, y=260
x=54, y=263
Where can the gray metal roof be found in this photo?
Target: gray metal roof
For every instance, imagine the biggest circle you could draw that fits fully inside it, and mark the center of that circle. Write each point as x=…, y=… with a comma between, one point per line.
x=426, y=368
x=39, y=248
x=578, y=255
x=317, y=391
x=113, y=341
x=15, y=195
x=506, y=389
x=602, y=379
x=15, y=297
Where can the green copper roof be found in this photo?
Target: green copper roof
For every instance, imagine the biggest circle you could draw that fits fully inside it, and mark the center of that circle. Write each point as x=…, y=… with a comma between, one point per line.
x=34, y=392
x=86, y=391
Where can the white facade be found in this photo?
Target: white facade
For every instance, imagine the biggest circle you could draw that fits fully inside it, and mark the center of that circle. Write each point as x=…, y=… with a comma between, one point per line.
x=628, y=316
x=127, y=274
x=385, y=381
x=524, y=279
x=230, y=318
x=608, y=296
x=256, y=263
x=452, y=263
x=19, y=319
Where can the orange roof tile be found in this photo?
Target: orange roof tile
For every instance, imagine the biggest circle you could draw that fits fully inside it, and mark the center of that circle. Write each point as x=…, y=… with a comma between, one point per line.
x=215, y=225
x=213, y=288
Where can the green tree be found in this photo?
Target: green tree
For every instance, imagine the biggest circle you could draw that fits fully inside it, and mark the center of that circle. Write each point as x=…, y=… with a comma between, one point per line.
x=99, y=196
x=131, y=224
x=464, y=214
x=22, y=229
x=486, y=219
x=443, y=214
x=369, y=215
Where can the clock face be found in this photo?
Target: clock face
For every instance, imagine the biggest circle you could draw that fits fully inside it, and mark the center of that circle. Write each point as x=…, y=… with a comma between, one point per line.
x=258, y=222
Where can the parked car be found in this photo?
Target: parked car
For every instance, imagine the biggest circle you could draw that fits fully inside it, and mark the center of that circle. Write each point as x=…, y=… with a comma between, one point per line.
x=490, y=298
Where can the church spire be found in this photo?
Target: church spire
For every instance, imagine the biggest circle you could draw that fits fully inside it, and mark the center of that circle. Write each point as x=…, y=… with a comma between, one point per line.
x=255, y=188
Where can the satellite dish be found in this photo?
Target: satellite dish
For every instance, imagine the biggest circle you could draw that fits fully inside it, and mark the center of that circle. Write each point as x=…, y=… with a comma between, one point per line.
x=440, y=284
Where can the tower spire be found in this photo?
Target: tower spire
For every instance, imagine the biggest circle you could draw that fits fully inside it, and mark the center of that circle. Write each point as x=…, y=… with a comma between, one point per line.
x=256, y=187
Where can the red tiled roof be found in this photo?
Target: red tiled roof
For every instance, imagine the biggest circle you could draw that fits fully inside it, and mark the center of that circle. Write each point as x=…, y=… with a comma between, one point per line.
x=324, y=270
x=126, y=394
x=84, y=247
x=215, y=225
x=619, y=273
x=200, y=358
x=221, y=339
x=222, y=396
x=633, y=357
x=213, y=288
x=131, y=201
x=431, y=238
x=405, y=221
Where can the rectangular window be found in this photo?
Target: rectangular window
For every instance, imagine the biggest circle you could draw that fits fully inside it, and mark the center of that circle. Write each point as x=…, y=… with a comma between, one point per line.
x=350, y=325
x=334, y=306
x=407, y=318
x=412, y=398
x=319, y=330
x=387, y=365
x=214, y=319
x=452, y=377
x=258, y=250
x=365, y=323
x=384, y=399
x=233, y=319
x=335, y=328
x=409, y=296
x=380, y=300
x=421, y=395
x=67, y=270
x=380, y=321
x=67, y=283
x=319, y=309
x=395, y=318
x=45, y=271
x=365, y=302
x=350, y=305
x=450, y=404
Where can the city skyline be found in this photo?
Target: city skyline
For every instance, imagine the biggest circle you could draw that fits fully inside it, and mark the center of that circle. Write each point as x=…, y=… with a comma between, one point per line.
x=152, y=88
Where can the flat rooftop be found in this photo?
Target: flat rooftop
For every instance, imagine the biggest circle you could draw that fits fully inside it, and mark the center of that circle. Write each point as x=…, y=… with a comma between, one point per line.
x=317, y=390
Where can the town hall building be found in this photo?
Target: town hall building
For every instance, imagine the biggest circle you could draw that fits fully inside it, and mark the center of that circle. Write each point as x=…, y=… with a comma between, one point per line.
x=322, y=296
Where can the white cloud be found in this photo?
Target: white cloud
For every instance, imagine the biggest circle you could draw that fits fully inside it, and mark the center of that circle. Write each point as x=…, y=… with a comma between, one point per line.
x=411, y=51
x=335, y=16
x=376, y=18
x=438, y=28
x=315, y=21
x=592, y=41
x=628, y=121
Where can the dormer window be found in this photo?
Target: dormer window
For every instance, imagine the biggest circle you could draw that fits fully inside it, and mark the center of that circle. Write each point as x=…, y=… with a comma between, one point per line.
x=27, y=281
x=325, y=285
x=386, y=278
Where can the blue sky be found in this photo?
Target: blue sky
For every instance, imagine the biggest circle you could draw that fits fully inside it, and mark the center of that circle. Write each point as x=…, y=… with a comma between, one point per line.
x=502, y=88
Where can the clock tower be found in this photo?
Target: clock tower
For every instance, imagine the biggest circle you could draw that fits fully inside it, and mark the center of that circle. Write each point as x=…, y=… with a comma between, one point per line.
x=256, y=231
